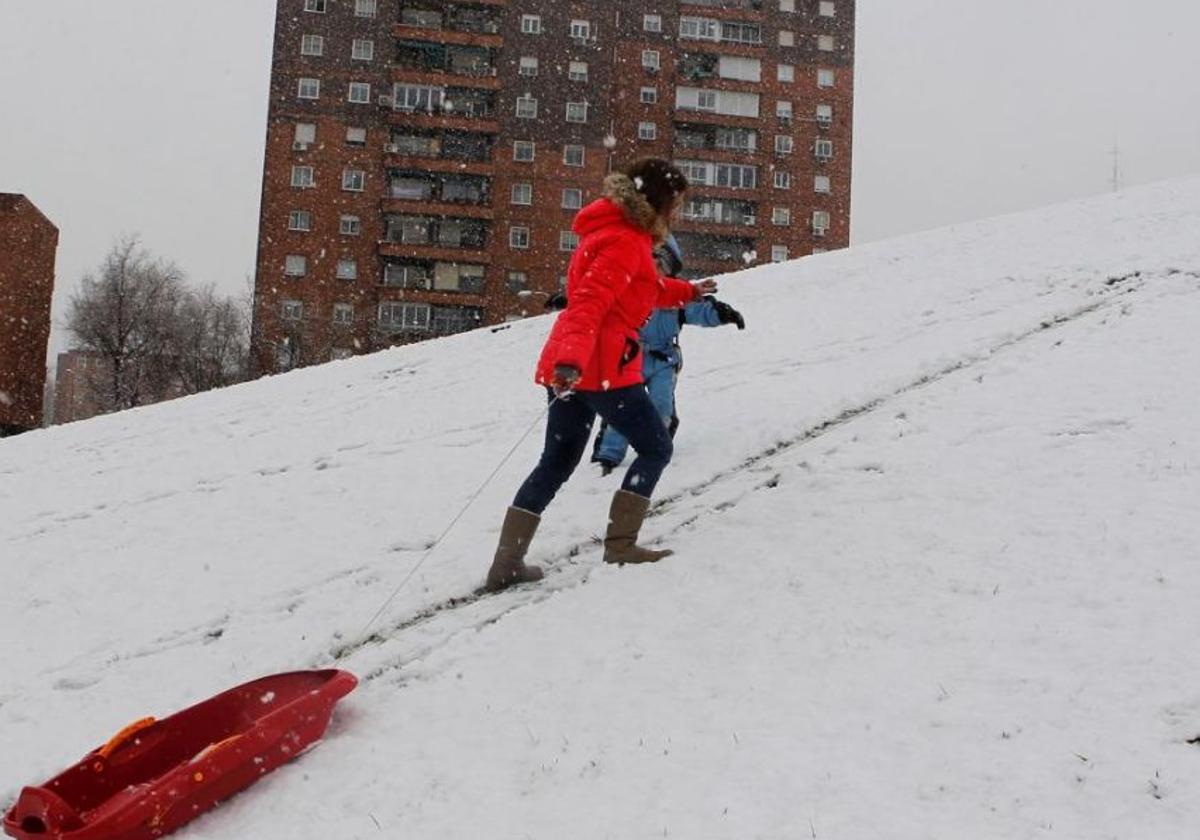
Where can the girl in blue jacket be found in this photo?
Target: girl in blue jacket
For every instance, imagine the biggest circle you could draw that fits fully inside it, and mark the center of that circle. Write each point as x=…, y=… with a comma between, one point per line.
x=662, y=358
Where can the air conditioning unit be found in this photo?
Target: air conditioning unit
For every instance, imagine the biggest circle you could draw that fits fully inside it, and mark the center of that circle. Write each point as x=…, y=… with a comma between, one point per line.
x=299, y=147
x=749, y=219
x=385, y=101
x=819, y=231
x=392, y=148
x=824, y=122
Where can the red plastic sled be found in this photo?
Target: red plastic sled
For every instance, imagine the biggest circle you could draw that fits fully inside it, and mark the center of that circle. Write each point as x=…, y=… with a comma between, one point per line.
x=154, y=776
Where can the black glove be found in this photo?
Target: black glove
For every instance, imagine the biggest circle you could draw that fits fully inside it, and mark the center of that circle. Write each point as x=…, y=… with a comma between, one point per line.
x=556, y=301
x=726, y=314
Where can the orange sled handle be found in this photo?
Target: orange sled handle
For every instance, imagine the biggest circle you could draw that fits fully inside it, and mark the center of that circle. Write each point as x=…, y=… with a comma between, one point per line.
x=124, y=735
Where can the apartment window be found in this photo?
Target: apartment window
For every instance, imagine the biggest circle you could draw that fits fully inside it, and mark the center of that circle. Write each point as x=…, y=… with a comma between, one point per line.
x=518, y=237
x=731, y=103
x=741, y=33
x=742, y=69
x=581, y=30
x=302, y=176
x=784, y=144
x=783, y=109
x=306, y=135
x=820, y=222
x=823, y=149
x=354, y=180
x=522, y=193
x=649, y=95
x=517, y=280
x=528, y=66
x=578, y=71
x=787, y=5
x=365, y=8
x=825, y=8
x=821, y=183
x=417, y=98
x=576, y=112
x=363, y=49
x=652, y=23
x=824, y=115
x=295, y=265
x=572, y=198
x=568, y=240
x=531, y=24
x=573, y=155
x=825, y=43
x=825, y=78
x=293, y=310
x=343, y=313
x=527, y=107
x=647, y=131
x=360, y=93
x=650, y=60
x=779, y=253
x=783, y=180
x=785, y=73
x=356, y=136
x=523, y=150
x=309, y=89
x=312, y=45
x=781, y=216
x=350, y=226
x=787, y=38
x=347, y=270
x=700, y=29
x=314, y=6
x=397, y=315
x=300, y=220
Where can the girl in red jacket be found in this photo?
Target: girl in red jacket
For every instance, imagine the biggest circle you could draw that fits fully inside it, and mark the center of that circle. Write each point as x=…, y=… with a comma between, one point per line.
x=592, y=364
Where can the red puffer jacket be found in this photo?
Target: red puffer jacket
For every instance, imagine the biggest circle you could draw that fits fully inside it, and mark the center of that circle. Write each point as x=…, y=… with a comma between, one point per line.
x=612, y=287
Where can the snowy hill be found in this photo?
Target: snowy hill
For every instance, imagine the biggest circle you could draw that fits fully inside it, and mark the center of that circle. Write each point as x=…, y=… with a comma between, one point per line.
x=936, y=575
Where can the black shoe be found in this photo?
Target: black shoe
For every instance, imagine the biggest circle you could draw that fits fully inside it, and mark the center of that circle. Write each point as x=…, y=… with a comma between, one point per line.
x=606, y=466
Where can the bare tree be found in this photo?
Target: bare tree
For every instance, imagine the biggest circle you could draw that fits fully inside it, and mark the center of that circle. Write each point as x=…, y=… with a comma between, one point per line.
x=155, y=338
x=127, y=316
x=210, y=341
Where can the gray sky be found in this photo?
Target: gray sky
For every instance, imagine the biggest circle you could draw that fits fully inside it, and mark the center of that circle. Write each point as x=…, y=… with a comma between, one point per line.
x=148, y=116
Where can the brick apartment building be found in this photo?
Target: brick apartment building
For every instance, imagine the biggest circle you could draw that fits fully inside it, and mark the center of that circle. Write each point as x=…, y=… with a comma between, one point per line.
x=28, y=246
x=424, y=159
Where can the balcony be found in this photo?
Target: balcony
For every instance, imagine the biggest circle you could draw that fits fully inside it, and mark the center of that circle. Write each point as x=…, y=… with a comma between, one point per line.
x=464, y=66
x=732, y=142
x=458, y=24
x=439, y=187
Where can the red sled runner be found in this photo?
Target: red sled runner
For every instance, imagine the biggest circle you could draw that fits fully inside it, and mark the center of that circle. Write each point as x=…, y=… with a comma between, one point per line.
x=154, y=776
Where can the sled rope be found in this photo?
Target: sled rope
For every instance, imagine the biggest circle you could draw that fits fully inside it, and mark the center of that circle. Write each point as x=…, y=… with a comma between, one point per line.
x=362, y=634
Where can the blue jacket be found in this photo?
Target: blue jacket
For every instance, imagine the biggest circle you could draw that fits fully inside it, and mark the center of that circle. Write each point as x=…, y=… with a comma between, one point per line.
x=660, y=335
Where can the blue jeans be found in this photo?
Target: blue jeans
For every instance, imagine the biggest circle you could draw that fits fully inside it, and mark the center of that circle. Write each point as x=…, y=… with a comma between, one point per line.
x=569, y=427
x=660, y=385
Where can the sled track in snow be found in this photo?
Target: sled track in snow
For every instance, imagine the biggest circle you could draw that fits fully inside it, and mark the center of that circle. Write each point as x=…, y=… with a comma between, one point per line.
x=562, y=572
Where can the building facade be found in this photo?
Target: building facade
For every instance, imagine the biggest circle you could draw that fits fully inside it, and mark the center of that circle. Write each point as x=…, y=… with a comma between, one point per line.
x=28, y=247
x=425, y=160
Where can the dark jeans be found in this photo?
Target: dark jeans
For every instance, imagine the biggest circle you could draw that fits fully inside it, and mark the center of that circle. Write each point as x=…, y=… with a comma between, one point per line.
x=568, y=427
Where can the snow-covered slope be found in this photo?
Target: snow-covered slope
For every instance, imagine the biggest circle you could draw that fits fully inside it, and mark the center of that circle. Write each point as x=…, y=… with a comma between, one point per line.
x=936, y=574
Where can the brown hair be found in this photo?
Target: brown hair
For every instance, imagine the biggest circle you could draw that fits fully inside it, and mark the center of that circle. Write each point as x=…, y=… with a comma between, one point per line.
x=659, y=181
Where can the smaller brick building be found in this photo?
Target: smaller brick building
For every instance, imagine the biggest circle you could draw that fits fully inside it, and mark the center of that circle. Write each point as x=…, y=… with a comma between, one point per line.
x=28, y=245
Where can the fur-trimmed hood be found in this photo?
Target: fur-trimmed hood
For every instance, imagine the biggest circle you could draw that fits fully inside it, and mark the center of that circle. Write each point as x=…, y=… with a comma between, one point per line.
x=621, y=191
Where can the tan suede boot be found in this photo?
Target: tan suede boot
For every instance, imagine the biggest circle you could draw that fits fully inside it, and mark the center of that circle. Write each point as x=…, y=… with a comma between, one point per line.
x=624, y=521
x=508, y=566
